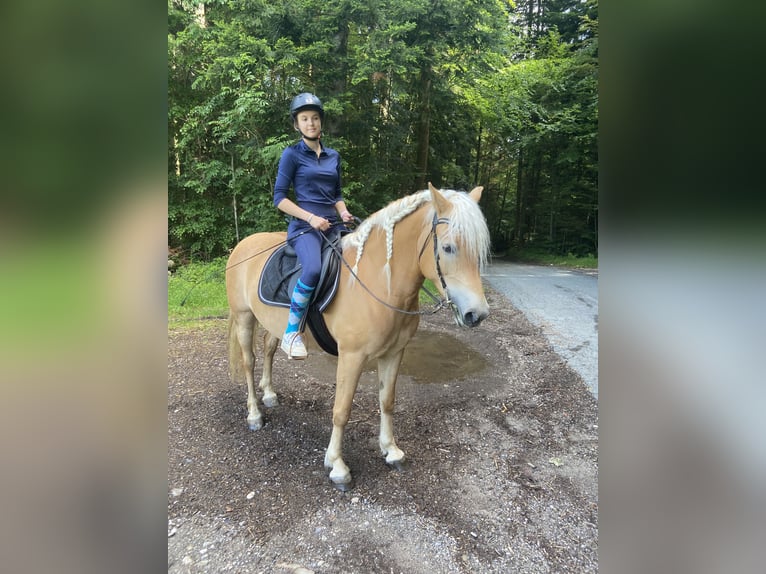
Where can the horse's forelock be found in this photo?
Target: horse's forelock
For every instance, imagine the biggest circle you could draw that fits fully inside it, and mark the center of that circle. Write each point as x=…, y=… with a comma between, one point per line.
x=468, y=223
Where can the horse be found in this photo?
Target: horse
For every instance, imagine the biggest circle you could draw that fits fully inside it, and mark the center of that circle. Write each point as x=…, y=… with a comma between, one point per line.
x=375, y=311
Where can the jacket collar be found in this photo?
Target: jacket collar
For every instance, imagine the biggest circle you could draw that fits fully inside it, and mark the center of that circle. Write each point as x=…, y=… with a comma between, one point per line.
x=306, y=149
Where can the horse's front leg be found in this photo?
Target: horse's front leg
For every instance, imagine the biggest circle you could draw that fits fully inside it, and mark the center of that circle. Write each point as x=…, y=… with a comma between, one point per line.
x=388, y=370
x=347, y=378
x=270, y=343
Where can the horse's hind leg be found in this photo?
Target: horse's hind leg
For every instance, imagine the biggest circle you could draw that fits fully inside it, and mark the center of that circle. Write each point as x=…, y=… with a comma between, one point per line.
x=245, y=325
x=388, y=370
x=270, y=343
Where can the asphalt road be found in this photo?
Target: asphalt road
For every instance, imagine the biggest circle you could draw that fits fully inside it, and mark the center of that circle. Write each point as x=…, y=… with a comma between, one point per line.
x=563, y=303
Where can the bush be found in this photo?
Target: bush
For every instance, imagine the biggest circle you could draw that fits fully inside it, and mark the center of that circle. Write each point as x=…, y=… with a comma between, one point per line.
x=198, y=290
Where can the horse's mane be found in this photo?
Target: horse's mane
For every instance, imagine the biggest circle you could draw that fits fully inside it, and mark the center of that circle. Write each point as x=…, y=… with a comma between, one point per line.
x=465, y=221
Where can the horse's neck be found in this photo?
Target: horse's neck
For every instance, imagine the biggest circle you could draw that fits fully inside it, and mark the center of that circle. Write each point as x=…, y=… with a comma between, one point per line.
x=401, y=274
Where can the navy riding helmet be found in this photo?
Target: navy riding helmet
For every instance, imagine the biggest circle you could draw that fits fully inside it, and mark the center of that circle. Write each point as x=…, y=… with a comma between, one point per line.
x=306, y=101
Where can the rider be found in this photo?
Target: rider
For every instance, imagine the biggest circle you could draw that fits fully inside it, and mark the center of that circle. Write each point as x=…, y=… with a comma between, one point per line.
x=313, y=171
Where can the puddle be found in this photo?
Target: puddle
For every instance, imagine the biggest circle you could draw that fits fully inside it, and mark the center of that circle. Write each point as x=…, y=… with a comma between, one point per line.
x=430, y=357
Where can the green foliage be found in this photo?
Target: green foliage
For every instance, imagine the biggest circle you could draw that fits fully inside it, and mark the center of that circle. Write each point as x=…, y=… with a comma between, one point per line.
x=426, y=302
x=461, y=93
x=198, y=290
x=541, y=256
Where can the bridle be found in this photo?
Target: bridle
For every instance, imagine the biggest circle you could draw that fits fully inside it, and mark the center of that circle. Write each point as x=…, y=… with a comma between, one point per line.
x=436, y=221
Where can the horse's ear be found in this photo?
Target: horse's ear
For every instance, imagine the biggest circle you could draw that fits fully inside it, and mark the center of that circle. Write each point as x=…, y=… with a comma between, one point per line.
x=476, y=193
x=440, y=202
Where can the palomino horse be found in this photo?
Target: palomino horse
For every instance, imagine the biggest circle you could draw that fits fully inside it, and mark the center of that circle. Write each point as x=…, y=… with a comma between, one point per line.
x=441, y=235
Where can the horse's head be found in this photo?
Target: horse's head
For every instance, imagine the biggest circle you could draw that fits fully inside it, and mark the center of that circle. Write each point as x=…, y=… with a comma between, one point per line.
x=460, y=251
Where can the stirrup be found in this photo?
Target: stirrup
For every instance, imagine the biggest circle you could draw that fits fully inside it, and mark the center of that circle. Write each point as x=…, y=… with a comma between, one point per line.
x=292, y=344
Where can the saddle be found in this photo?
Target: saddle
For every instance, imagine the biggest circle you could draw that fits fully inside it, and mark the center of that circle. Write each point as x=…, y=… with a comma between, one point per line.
x=281, y=273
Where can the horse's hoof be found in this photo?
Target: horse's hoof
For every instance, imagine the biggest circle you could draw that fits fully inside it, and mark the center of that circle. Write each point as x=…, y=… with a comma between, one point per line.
x=256, y=424
x=398, y=465
x=270, y=402
x=343, y=486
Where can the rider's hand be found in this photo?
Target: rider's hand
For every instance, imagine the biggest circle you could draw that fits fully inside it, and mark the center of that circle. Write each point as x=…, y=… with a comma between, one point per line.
x=319, y=223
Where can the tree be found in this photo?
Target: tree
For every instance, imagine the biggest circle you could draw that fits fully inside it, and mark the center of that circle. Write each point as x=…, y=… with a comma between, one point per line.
x=447, y=91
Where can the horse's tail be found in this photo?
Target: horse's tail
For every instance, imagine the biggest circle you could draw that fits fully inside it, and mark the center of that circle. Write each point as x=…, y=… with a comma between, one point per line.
x=236, y=363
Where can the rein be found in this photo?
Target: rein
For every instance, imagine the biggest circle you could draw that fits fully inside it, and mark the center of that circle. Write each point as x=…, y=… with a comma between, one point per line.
x=440, y=303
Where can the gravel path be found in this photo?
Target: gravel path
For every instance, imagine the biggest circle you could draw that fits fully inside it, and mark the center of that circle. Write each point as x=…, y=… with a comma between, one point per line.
x=501, y=437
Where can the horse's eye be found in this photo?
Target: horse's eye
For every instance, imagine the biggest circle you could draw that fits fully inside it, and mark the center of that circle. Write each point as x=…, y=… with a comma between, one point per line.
x=449, y=248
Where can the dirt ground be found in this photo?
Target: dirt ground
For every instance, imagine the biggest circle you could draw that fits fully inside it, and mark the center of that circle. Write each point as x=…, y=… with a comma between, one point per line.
x=501, y=439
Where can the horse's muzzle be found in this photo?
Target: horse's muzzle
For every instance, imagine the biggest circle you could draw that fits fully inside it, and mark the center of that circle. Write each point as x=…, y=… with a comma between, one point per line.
x=469, y=309
x=470, y=318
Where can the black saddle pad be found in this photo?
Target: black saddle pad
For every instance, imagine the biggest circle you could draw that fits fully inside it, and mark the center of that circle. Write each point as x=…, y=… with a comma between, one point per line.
x=281, y=273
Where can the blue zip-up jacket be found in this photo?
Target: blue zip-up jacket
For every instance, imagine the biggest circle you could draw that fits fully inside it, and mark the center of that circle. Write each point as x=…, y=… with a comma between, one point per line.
x=315, y=180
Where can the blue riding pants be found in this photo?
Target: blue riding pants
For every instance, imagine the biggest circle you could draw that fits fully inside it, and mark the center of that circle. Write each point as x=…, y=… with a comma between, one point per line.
x=307, y=243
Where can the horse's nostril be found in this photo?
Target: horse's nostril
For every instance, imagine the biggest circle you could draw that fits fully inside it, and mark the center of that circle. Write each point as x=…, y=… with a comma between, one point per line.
x=472, y=318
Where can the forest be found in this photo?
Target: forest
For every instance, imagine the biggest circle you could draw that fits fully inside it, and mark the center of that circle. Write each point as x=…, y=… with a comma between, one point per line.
x=498, y=93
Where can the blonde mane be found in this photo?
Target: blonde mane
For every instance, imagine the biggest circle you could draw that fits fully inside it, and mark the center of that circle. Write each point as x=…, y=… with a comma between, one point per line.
x=465, y=221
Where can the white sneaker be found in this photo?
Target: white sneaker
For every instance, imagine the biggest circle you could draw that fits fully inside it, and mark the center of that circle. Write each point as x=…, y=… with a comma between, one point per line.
x=292, y=344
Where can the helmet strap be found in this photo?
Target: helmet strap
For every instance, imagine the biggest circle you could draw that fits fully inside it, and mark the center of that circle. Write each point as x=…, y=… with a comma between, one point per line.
x=307, y=137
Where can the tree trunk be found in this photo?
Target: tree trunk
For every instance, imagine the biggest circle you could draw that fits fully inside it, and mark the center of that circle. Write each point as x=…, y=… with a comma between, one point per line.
x=478, y=156
x=201, y=16
x=341, y=84
x=552, y=215
x=519, y=234
x=503, y=200
x=533, y=199
x=424, y=128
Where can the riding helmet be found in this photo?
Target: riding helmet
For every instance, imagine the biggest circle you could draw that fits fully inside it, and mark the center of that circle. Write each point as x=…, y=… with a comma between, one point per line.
x=306, y=101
